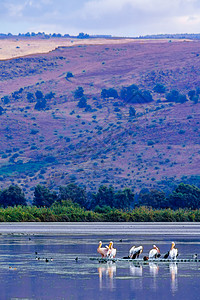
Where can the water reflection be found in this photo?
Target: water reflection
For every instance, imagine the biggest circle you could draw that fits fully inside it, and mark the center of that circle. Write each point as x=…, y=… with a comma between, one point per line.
x=107, y=271
x=136, y=270
x=174, y=281
x=153, y=269
x=107, y=274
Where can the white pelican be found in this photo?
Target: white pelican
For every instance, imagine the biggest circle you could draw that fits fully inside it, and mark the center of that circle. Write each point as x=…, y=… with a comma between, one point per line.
x=173, y=253
x=112, y=251
x=134, y=252
x=103, y=251
x=155, y=252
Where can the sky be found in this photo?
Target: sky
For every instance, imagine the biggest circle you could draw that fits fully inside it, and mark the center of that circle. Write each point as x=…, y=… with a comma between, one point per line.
x=115, y=17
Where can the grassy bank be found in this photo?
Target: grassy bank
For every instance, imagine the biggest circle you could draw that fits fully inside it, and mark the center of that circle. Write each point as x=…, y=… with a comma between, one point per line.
x=69, y=212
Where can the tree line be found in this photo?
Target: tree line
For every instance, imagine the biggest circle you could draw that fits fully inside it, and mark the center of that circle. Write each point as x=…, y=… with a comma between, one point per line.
x=184, y=196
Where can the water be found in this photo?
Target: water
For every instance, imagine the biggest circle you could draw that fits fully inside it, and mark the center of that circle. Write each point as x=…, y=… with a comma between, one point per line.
x=22, y=276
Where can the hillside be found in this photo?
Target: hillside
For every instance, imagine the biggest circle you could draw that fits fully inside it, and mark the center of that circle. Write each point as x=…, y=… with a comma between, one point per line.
x=103, y=145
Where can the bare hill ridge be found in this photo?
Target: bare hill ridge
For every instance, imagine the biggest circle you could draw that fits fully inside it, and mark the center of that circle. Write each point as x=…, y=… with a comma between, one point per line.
x=157, y=147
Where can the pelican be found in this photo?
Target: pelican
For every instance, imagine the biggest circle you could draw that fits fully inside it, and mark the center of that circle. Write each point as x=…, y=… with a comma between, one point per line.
x=103, y=251
x=166, y=255
x=173, y=253
x=155, y=252
x=134, y=252
x=112, y=251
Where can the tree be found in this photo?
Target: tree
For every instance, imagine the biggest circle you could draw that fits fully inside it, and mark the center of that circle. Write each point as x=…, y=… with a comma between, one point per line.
x=1, y=110
x=104, y=196
x=127, y=93
x=39, y=95
x=182, y=98
x=132, y=112
x=132, y=94
x=11, y=196
x=194, y=95
x=49, y=96
x=73, y=192
x=123, y=199
x=79, y=92
x=69, y=75
x=43, y=196
x=41, y=104
x=191, y=94
x=154, y=199
x=30, y=97
x=175, y=96
x=185, y=196
x=172, y=96
x=83, y=35
x=5, y=99
x=82, y=102
x=159, y=88
x=195, y=99
x=106, y=93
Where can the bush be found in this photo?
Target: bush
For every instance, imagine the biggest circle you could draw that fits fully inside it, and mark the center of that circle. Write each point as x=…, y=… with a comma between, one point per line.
x=82, y=102
x=79, y=92
x=106, y=93
x=132, y=94
x=69, y=75
x=159, y=88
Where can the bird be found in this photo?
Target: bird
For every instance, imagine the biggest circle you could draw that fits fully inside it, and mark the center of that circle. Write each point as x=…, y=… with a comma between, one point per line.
x=134, y=252
x=155, y=252
x=173, y=253
x=103, y=251
x=76, y=259
x=194, y=256
x=112, y=251
x=166, y=255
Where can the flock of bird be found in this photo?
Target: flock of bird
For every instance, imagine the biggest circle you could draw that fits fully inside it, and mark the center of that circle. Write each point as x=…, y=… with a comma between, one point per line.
x=134, y=253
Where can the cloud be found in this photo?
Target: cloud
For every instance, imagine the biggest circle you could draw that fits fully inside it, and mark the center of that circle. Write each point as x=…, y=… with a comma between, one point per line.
x=117, y=17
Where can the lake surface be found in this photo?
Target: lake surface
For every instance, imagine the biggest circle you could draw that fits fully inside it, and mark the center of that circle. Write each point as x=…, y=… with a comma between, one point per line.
x=22, y=276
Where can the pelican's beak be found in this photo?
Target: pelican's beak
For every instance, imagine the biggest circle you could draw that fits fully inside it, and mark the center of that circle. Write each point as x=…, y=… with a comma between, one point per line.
x=173, y=245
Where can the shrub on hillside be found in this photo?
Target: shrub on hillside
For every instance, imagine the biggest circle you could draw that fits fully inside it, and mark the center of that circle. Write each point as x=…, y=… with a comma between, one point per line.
x=159, y=88
x=107, y=93
x=175, y=96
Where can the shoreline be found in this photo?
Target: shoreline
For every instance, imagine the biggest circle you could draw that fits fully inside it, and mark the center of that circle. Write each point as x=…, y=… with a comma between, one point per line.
x=83, y=228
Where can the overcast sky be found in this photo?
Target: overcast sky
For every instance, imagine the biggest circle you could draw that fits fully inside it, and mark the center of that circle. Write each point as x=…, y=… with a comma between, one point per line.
x=115, y=17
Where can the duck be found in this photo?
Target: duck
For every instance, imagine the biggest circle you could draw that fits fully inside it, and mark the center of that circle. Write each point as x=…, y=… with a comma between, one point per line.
x=112, y=251
x=103, y=251
x=155, y=252
x=134, y=252
x=173, y=253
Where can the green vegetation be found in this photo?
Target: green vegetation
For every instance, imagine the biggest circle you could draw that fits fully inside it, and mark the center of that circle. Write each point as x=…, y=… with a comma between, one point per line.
x=175, y=96
x=132, y=94
x=159, y=88
x=106, y=93
x=67, y=211
x=73, y=204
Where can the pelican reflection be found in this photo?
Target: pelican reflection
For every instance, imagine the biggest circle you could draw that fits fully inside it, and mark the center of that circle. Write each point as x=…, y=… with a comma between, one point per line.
x=153, y=269
x=173, y=268
x=107, y=271
x=136, y=270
